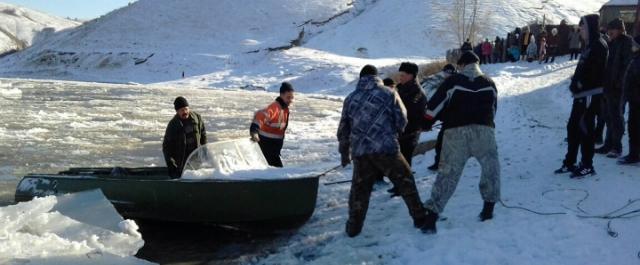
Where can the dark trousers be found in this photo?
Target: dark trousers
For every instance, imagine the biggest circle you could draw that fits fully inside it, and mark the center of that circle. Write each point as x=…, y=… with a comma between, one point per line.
x=615, y=121
x=551, y=53
x=634, y=130
x=408, y=144
x=366, y=170
x=600, y=123
x=271, y=150
x=439, y=146
x=581, y=130
x=575, y=53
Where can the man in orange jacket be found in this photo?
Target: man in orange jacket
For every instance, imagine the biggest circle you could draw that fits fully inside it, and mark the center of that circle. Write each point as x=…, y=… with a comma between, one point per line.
x=269, y=125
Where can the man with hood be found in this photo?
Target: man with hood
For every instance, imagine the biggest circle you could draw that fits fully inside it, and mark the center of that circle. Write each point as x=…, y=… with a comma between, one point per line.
x=372, y=118
x=185, y=132
x=632, y=95
x=619, y=57
x=586, y=88
x=466, y=103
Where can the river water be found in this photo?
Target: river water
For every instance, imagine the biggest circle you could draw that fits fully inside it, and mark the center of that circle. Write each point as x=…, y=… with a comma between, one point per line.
x=48, y=126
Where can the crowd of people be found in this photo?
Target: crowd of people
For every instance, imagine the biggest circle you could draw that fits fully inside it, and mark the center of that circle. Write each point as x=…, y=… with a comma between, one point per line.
x=522, y=44
x=382, y=120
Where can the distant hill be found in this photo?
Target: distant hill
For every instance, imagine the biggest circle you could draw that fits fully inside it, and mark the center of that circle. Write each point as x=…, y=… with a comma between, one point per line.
x=21, y=27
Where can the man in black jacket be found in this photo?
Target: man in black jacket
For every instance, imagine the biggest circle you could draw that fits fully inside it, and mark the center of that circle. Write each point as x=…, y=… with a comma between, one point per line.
x=414, y=101
x=632, y=95
x=619, y=57
x=466, y=103
x=185, y=132
x=586, y=88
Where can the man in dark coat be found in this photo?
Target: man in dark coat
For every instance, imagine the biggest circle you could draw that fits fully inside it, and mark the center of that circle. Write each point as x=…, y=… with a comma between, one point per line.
x=414, y=101
x=586, y=88
x=632, y=95
x=372, y=118
x=619, y=58
x=553, y=42
x=185, y=132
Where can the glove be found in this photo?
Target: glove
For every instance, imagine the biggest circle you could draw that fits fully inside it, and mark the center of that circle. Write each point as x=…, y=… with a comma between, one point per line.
x=427, y=125
x=345, y=159
x=255, y=137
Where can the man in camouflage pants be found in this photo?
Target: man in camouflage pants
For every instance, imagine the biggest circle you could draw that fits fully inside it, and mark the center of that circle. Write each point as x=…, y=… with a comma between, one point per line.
x=372, y=118
x=466, y=103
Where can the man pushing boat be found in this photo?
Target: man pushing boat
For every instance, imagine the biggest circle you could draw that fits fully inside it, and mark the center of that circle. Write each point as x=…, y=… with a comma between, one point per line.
x=185, y=132
x=270, y=124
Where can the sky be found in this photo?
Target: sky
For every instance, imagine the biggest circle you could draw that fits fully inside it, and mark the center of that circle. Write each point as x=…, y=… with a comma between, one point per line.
x=81, y=9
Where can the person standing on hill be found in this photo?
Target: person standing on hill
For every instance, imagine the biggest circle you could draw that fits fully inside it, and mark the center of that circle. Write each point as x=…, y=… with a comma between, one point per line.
x=543, y=50
x=553, y=42
x=632, y=95
x=185, y=132
x=487, y=50
x=467, y=104
x=270, y=124
x=586, y=88
x=372, y=118
x=574, y=44
x=619, y=57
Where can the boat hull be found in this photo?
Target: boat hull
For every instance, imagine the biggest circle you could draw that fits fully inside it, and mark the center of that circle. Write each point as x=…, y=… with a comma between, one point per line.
x=156, y=197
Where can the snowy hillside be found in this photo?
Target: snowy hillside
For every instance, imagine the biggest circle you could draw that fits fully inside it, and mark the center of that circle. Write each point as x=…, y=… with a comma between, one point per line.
x=21, y=27
x=234, y=44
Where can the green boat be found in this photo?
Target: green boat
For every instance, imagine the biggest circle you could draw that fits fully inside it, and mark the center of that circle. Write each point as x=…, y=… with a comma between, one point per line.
x=149, y=194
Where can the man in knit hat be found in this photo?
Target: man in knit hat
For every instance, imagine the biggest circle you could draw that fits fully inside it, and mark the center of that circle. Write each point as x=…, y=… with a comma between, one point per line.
x=270, y=124
x=619, y=57
x=586, y=88
x=372, y=118
x=185, y=132
x=466, y=103
x=632, y=95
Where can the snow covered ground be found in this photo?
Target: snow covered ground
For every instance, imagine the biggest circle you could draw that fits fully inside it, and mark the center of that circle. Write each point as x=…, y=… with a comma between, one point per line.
x=532, y=112
x=21, y=27
x=224, y=44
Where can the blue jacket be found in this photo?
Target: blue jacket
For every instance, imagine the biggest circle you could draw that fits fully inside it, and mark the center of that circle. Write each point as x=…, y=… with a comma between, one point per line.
x=372, y=118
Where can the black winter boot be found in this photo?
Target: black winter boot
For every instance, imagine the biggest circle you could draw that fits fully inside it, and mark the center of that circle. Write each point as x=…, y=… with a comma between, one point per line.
x=429, y=226
x=487, y=211
x=353, y=229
